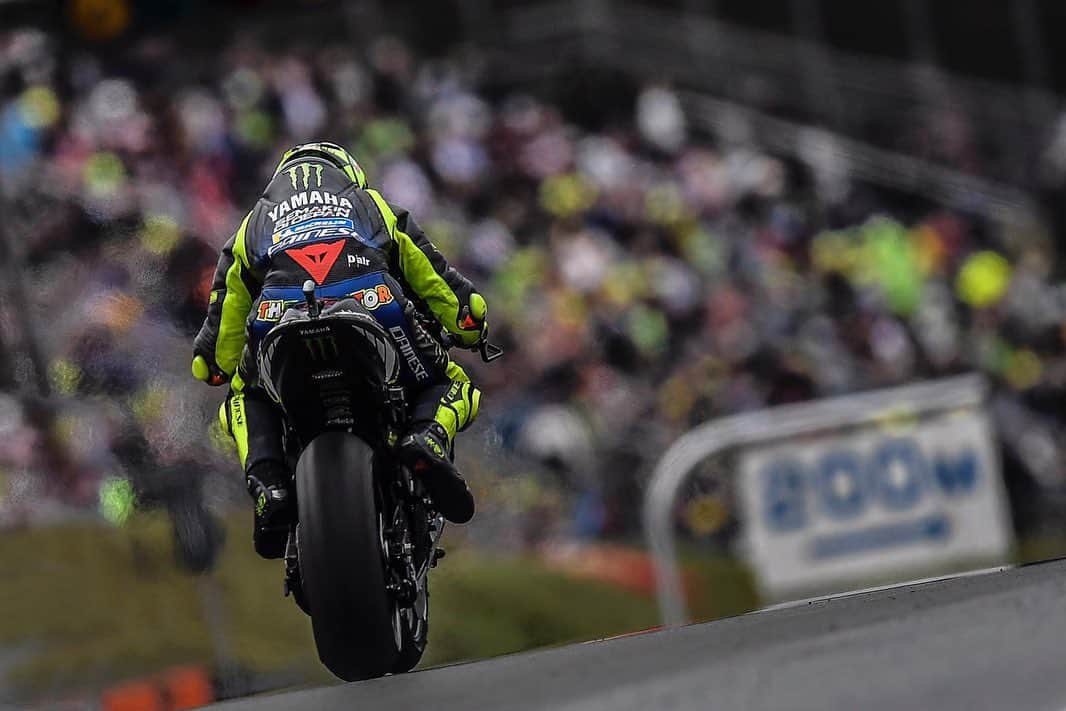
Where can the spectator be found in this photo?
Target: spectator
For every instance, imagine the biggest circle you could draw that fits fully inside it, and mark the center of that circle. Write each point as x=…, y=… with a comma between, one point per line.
x=642, y=280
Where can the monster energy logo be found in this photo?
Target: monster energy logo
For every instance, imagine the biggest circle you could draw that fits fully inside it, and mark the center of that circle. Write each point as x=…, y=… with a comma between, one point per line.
x=305, y=168
x=322, y=348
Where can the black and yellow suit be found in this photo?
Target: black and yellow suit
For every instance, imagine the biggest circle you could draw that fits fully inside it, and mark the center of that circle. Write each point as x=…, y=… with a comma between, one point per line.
x=318, y=220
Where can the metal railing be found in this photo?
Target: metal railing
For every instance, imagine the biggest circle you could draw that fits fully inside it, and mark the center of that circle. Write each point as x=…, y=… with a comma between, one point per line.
x=681, y=459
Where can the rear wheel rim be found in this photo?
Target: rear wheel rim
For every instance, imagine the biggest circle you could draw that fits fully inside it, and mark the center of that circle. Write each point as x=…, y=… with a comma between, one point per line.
x=397, y=627
x=397, y=617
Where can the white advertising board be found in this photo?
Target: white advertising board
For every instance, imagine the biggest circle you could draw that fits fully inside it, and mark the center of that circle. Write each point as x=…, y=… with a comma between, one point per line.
x=831, y=512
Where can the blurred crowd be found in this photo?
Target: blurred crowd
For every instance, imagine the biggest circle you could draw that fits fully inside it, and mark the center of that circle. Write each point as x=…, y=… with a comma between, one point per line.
x=641, y=279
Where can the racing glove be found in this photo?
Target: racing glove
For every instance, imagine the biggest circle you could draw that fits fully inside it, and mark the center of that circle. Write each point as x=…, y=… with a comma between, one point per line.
x=206, y=371
x=473, y=322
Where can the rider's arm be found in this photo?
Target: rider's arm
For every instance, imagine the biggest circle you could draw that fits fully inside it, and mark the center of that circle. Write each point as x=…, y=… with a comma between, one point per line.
x=221, y=339
x=448, y=294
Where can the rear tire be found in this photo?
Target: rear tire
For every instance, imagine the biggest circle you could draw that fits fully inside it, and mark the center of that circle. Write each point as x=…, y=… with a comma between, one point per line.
x=341, y=563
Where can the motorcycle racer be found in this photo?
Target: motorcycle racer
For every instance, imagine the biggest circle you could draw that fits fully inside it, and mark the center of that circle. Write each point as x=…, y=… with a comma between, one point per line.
x=318, y=219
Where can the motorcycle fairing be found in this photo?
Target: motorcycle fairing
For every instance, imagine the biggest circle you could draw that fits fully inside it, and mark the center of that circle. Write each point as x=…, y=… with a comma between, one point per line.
x=378, y=293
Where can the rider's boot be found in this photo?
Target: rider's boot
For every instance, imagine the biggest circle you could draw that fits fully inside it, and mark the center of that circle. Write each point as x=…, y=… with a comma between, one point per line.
x=266, y=481
x=425, y=451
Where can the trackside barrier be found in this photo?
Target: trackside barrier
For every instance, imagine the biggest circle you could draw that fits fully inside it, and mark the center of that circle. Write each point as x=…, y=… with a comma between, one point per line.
x=755, y=428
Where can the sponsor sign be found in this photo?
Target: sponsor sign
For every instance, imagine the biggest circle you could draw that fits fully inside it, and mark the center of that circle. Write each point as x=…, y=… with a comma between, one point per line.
x=314, y=212
x=371, y=299
x=836, y=512
x=311, y=231
x=408, y=352
x=271, y=310
x=311, y=226
x=322, y=198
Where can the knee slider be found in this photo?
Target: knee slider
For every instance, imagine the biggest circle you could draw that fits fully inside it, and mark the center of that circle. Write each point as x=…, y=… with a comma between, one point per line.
x=223, y=417
x=232, y=418
x=473, y=395
x=464, y=400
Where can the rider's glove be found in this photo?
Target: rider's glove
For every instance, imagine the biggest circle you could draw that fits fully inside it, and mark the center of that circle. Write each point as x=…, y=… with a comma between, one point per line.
x=473, y=324
x=208, y=372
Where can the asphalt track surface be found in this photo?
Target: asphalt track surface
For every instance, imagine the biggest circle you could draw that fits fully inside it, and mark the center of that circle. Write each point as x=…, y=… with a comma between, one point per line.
x=993, y=641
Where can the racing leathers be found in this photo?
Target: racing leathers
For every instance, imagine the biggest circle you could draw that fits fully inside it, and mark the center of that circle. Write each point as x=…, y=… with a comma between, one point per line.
x=318, y=220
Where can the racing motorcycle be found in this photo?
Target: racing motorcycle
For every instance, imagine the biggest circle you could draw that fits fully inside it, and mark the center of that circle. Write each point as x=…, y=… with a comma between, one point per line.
x=366, y=533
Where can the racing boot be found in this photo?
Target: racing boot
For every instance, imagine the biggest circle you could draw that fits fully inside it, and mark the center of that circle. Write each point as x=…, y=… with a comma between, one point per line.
x=425, y=452
x=266, y=485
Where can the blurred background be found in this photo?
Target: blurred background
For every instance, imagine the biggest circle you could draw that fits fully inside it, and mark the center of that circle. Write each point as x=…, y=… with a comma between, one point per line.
x=678, y=210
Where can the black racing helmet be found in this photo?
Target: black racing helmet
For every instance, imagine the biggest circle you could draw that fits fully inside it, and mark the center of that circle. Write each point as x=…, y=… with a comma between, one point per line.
x=330, y=152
